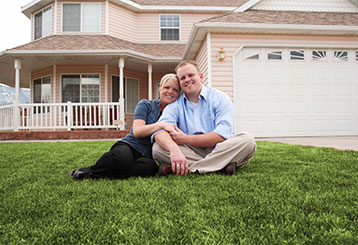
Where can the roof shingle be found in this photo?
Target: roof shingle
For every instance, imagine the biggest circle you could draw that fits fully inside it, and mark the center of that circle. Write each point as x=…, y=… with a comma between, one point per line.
x=221, y=3
x=102, y=42
x=288, y=17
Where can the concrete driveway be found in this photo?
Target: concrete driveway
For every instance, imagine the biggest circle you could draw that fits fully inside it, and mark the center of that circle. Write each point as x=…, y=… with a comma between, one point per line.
x=338, y=142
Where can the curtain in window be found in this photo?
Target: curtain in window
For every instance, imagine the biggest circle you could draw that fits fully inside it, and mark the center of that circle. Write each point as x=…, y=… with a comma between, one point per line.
x=38, y=25
x=91, y=17
x=47, y=21
x=71, y=17
x=131, y=94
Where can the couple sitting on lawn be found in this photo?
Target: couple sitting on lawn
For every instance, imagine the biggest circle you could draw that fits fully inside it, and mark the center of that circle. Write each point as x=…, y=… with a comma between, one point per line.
x=193, y=133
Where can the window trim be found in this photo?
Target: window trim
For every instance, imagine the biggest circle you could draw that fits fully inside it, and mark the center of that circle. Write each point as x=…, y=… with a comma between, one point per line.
x=33, y=85
x=81, y=17
x=81, y=74
x=34, y=22
x=160, y=28
x=125, y=86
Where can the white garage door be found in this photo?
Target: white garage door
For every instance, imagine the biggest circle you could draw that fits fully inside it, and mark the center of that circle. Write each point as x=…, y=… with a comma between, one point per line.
x=296, y=92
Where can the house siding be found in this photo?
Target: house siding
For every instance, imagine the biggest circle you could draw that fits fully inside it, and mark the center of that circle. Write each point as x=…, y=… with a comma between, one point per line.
x=148, y=31
x=202, y=60
x=121, y=23
x=222, y=71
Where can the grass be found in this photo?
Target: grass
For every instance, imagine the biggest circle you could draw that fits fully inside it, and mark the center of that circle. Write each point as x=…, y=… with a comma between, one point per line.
x=286, y=194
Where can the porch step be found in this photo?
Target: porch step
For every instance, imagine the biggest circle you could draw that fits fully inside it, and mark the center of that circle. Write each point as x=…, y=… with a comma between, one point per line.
x=64, y=135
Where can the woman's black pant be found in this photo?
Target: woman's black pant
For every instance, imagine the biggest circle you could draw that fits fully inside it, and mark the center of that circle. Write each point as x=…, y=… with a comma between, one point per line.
x=122, y=161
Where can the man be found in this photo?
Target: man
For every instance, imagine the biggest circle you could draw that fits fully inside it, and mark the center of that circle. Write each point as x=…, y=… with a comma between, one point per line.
x=204, y=138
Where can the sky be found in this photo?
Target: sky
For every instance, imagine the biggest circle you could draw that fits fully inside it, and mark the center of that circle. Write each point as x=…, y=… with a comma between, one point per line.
x=15, y=27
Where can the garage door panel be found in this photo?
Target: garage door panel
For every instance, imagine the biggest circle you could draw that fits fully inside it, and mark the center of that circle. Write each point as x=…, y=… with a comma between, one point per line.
x=299, y=108
x=344, y=107
x=317, y=96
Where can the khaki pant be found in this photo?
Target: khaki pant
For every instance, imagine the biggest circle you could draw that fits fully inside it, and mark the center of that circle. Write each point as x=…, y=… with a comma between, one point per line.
x=239, y=149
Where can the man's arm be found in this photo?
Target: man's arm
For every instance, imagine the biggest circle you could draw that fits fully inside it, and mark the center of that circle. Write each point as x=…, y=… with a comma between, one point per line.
x=203, y=140
x=177, y=158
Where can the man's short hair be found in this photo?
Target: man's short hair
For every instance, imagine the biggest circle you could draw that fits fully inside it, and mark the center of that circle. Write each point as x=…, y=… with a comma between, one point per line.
x=186, y=62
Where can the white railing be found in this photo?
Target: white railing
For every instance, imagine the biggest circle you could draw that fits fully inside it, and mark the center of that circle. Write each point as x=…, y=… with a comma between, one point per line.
x=61, y=116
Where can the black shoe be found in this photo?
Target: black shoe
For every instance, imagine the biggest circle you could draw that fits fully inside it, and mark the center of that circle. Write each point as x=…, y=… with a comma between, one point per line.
x=230, y=169
x=165, y=170
x=79, y=174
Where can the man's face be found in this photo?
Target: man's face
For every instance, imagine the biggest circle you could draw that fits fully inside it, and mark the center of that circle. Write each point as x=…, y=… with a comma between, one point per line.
x=190, y=80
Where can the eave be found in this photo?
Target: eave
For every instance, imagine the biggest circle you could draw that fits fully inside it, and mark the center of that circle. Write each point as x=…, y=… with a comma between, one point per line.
x=35, y=5
x=200, y=30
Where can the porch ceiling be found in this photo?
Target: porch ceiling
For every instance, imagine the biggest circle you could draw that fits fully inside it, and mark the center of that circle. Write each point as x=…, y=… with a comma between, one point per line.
x=33, y=62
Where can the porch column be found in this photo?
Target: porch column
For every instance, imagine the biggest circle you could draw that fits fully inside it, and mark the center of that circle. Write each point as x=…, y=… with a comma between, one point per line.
x=150, y=90
x=17, y=66
x=121, y=92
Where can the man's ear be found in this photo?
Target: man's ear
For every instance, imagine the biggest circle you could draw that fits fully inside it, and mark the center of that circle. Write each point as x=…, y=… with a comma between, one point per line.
x=201, y=75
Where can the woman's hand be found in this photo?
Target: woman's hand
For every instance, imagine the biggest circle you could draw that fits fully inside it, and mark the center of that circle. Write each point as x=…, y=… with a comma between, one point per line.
x=167, y=126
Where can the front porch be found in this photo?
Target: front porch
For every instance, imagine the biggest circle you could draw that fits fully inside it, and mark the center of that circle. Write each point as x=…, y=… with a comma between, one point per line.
x=63, y=117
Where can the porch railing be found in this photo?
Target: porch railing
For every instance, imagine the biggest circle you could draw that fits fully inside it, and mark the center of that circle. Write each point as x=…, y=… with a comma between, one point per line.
x=61, y=116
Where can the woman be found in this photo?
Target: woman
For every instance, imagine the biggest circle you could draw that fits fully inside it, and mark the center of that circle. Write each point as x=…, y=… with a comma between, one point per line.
x=132, y=155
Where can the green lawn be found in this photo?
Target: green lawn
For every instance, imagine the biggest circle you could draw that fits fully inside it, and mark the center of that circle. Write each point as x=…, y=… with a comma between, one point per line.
x=286, y=194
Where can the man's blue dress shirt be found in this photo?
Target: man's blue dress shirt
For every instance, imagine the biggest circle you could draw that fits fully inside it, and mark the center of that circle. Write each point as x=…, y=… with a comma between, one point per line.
x=213, y=113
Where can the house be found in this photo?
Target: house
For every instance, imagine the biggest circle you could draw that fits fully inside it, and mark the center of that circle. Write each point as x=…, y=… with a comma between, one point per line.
x=290, y=67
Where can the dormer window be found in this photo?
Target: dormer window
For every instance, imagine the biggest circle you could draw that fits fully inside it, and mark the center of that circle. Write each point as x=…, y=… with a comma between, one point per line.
x=169, y=27
x=81, y=17
x=43, y=23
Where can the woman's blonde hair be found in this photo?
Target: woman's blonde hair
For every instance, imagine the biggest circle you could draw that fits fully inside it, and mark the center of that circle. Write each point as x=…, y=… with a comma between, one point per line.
x=166, y=77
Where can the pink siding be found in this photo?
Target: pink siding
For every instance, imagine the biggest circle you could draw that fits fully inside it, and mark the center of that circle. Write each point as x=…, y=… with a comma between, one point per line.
x=121, y=23
x=202, y=60
x=222, y=71
x=147, y=28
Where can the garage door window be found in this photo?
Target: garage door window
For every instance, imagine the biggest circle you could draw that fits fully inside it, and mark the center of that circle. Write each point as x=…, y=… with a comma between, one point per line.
x=319, y=55
x=274, y=55
x=297, y=55
x=340, y=55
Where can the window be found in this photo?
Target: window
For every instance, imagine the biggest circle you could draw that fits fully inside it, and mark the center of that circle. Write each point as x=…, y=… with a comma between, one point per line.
x=131, y=92
x=319, y=55
x=80, y=88
x=341, y=55
x=42, y=93
x=42, y=90
x=356, y=55
x=43, y=23
x=297, y=55
x=81, y=17
x=169, y=27
x=274, y=55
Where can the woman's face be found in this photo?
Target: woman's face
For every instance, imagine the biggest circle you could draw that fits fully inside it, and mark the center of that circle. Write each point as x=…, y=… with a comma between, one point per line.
x=169, y=92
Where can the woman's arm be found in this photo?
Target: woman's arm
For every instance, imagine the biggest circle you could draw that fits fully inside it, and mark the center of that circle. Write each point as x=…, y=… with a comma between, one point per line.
x=140, y=129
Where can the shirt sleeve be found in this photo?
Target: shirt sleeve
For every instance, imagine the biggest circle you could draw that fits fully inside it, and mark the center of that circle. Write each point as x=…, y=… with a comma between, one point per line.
x=224, y=116
x=169, y=115
x=141, y=110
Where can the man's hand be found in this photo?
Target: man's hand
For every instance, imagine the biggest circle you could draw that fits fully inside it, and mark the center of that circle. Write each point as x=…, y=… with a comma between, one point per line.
x=178, y=136
x=179, y=162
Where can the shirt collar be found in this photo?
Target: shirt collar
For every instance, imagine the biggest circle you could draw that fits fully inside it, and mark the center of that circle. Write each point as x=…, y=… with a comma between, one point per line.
x=203, y=93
